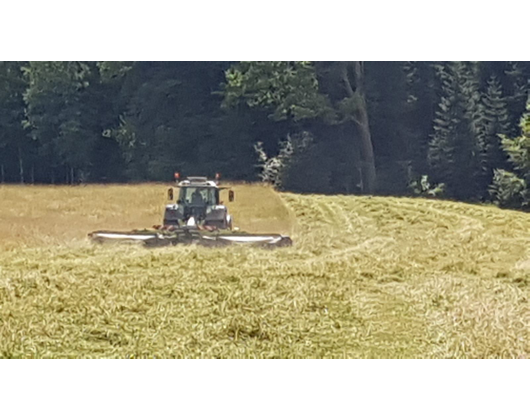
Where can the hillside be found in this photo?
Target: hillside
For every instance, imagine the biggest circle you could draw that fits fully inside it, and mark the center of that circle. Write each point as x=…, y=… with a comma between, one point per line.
x=367, y=277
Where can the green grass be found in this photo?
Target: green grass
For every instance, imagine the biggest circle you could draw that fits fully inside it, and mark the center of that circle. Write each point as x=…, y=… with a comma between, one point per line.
x=368, y=277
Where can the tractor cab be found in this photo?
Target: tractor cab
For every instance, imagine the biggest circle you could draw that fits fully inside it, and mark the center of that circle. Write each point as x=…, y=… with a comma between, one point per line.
x=198, y=203
x=198, y=196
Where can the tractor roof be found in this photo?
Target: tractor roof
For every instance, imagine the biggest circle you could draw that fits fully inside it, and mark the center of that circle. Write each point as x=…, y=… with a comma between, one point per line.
x=197, y=181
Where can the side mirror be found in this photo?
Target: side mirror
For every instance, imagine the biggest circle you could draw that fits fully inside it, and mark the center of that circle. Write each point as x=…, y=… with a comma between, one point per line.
x=170, y=194
x=231, y=196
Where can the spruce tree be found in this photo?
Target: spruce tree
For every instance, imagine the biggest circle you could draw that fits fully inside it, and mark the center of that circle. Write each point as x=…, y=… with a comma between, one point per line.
x=518, y=148
x=517, y=92
x=419, y=112
x=493, y=123
x=454, y=151
x=510, y=189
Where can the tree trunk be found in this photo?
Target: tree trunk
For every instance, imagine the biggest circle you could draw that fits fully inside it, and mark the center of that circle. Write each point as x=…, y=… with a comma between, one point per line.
x=368, y=171
x=354, y=85
x=346, y=79
x=21, y=165
x=368, y=168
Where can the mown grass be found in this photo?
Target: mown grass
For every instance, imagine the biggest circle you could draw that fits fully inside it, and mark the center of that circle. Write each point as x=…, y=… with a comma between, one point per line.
x=368, y=277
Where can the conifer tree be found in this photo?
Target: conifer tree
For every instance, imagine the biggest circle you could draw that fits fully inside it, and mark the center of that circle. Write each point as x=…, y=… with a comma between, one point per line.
x=494, y=122
x=453, y=150
x=510, y=189
x=420, y=111
x=517, y=92
x=518, y=148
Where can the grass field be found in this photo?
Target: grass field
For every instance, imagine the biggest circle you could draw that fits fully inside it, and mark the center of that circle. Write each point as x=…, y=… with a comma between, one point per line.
x=369, y=277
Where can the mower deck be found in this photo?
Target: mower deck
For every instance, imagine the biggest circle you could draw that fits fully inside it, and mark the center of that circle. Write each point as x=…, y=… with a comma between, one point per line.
x=188, y=236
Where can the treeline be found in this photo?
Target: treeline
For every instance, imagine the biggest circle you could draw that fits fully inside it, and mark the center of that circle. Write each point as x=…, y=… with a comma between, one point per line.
x=450, y=129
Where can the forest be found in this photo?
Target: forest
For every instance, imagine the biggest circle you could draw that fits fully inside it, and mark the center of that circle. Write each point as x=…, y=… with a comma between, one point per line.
x=454, y=130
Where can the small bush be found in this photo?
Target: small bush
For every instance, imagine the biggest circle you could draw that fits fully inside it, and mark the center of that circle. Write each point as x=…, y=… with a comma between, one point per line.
x=508, y=190
x=278, y=169
x=423, y=187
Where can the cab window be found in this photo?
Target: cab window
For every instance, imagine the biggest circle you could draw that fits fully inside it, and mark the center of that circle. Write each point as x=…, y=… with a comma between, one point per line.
x=198, y=196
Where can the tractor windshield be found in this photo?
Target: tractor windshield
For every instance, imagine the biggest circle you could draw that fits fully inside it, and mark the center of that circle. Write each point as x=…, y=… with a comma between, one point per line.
x=198, y=196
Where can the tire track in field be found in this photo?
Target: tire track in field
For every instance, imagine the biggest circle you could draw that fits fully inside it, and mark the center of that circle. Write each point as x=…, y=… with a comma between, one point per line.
x=371, y=245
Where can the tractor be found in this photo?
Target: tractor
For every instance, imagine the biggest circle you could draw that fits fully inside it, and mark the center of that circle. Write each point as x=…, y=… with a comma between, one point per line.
x=198, y=204
x=197, y=217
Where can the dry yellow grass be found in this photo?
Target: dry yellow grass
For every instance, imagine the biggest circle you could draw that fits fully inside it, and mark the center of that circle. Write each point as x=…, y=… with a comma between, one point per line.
x=46, y=215
x=367, y=277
